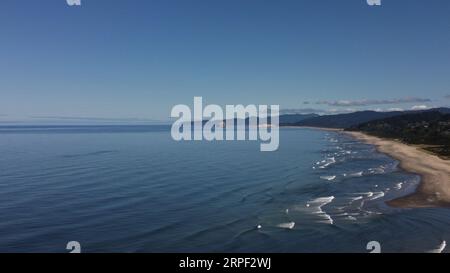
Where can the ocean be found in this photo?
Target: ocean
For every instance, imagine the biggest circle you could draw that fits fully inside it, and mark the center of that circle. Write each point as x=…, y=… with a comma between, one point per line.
x=134, y=189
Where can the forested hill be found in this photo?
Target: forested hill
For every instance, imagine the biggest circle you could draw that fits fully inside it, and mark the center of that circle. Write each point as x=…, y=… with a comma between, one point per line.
x=429, y=128
x=353, y=119
x=346, y=120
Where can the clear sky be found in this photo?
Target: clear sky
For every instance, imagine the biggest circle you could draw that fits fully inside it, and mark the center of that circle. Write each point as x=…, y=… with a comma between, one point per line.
x=134, y=59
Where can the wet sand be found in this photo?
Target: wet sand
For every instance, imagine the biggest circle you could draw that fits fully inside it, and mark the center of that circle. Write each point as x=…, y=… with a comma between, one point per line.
x=434, y=188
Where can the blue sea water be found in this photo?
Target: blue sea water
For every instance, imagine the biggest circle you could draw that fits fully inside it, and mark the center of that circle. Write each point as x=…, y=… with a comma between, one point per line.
x=134, y=189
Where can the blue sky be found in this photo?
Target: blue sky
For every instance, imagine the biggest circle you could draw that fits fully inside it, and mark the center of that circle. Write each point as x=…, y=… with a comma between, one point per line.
x=132, y=60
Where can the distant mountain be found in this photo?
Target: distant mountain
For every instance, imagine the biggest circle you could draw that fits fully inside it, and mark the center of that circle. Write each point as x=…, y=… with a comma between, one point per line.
x=289, y=119
x=442, y=110
x=294, y=118
x=431, y=128
x=356, y=118
x=346, y=120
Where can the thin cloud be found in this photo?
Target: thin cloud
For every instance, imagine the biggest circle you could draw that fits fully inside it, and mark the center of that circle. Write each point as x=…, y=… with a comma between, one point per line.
x=395, y=109
x=368, y=102
x=294, y=111
x=304, y=111
x=420, y=107
x=447, y=97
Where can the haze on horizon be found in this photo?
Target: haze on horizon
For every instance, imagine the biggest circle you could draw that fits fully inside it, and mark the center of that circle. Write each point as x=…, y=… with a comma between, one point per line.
x=131, y=61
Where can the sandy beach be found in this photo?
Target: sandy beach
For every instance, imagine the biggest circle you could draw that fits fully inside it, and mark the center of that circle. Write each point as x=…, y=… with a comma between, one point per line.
x=434, y=188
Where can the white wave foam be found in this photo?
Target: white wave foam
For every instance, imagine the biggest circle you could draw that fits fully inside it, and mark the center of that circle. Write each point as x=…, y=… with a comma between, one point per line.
x=356, y=199
x=372, y=195
x=289, y=225
x=379, y=170
x=341, y=214
x=398, y=186
x=327, y=162
x=382, y=169
x=317, y=204
x=439, y=249
x=322, y=200
x=328, y=177
x=358, y=174
x=377, y=195
x=367, y=194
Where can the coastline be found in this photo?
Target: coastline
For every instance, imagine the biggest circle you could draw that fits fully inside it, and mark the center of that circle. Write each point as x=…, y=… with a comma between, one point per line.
x=434, y=187
x=312, y=127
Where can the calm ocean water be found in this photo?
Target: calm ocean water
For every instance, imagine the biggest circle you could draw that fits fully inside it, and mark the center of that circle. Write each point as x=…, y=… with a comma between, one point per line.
x=134, y=189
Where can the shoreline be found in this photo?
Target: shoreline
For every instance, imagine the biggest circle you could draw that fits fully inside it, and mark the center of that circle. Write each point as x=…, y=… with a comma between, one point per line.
x=434, y=187
x=312, y=127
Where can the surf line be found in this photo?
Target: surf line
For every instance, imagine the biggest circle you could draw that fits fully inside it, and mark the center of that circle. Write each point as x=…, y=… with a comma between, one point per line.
x=210, y=123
